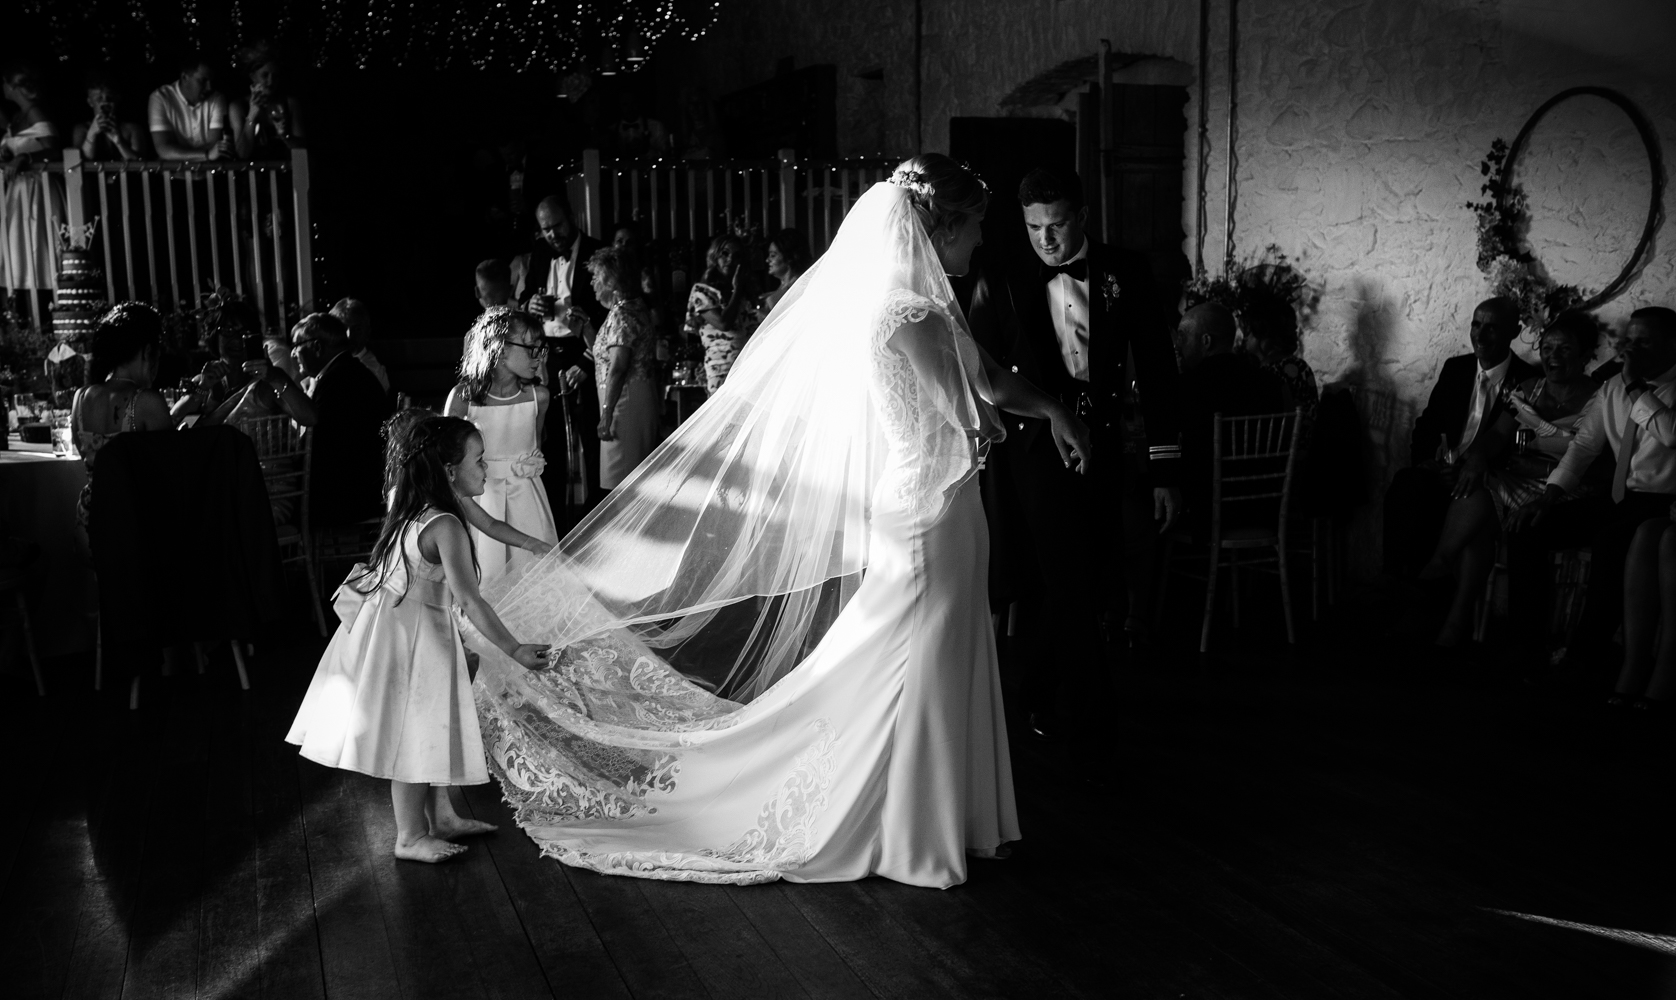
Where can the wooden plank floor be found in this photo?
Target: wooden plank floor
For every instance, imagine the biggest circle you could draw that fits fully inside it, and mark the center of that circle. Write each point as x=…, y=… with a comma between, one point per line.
x=1345, y=820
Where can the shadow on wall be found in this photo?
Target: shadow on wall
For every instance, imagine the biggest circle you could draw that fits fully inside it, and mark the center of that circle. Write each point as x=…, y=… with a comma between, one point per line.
x=1387, y=418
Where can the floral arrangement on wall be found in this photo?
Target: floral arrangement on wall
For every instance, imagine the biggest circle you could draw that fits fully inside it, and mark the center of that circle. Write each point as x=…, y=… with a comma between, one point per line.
x=1268, y=276
x=1504, y=255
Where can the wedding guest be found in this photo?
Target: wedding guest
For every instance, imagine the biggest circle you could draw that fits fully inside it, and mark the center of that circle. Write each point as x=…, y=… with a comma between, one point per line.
x=107, y=136
x=28, y=244
x=788, y=258
x=701, y=139
x=391, y=696
x=1271, y=336
x=267, y=124
x=625, y=353
x=350, y=407
x=241, y=384
x=1647, y=679
x=501, y=394
x=549, y=280
x=127, y=345
x=1630, y=417
x=551, y=283
x=188, y=119
x=1463, y=400
x=494, y=283
x=1067, y=317
x=630, y=238
x=716, y=306
x=1215, y=379
x=1495, y=479
x=357, y=319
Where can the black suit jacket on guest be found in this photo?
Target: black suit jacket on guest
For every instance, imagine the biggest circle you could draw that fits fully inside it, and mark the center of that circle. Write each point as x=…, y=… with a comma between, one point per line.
x=1126, y=312
x=347, y=482
x=582, y=294
x=1446, y=410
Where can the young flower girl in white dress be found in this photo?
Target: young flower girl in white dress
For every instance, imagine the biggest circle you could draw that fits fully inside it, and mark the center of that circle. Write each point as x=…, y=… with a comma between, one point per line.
x=499, y=393
x=392, y=695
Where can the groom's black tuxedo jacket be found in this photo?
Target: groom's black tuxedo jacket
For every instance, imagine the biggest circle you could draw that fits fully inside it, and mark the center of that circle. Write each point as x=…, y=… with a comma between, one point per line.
x=1126, y=311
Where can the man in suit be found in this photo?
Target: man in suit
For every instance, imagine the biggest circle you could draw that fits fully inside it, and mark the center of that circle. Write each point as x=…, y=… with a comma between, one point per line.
x=1464, y=400
x=555, y=285
x=1071, y=319
x=347, y=478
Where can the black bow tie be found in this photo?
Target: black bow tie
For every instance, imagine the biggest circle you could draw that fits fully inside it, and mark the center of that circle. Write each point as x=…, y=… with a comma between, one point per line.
x=1076, y=269
x=562, y=254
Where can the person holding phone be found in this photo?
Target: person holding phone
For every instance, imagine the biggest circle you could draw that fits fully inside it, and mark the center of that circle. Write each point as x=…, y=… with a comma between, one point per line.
x=241, y=384
x=107, y=137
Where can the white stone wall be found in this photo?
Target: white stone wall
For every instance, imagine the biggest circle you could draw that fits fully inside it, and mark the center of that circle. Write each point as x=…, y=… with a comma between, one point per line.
x=1361, y=126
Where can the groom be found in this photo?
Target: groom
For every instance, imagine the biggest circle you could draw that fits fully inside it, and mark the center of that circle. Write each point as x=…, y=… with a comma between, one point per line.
x=1084, y=322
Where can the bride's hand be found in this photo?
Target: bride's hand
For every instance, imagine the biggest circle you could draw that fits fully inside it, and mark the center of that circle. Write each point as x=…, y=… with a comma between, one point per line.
x=531, y=656
x=1071, y=437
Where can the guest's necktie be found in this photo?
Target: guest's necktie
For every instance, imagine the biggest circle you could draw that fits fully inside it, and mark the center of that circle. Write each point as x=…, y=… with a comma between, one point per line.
x=1076, y=269
x=1482, y=397
x=1627, y=442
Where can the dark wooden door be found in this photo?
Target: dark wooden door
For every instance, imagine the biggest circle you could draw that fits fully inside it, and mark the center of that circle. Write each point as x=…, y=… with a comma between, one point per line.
x=1149, y=133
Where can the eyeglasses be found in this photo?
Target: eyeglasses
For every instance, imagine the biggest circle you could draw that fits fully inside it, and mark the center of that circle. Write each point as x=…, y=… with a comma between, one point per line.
x=536, y=350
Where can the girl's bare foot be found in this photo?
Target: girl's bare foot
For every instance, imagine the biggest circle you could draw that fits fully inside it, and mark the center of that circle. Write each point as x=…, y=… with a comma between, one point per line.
x=449, y=828
x=1000, y=853
x=428, y=849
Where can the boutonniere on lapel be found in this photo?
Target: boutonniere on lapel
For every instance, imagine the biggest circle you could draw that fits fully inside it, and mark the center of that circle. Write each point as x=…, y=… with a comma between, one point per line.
x=1111, y=290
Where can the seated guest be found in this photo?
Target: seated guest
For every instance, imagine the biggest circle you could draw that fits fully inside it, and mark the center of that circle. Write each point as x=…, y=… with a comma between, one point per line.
x=1271, y=337
x=357, y=319
x=1631, y=417
x=188, y=118
x=107, y=137
x=241, y=384
x=118, y=397
x=494, y=283
x=788, y=258
x=1461, y=402
x=267, y=124
x=350, y=407
x=1214, y=379
x=1494, y=479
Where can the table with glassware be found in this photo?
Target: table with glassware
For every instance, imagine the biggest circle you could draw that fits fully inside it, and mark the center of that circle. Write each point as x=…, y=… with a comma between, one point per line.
x=38, y=491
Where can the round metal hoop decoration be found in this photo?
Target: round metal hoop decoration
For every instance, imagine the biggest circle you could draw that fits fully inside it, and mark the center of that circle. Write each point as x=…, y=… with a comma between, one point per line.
x=1655, y=164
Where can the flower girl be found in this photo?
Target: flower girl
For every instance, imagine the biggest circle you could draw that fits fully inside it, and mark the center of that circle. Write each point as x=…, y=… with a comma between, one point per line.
x=500, y=394
x=392, y=695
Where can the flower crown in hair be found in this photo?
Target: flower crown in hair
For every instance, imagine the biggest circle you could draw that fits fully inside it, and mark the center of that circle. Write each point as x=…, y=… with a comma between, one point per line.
x=912, y=180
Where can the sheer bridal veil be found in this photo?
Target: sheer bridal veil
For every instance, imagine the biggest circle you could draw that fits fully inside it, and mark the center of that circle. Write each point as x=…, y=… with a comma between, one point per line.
x=729, y=550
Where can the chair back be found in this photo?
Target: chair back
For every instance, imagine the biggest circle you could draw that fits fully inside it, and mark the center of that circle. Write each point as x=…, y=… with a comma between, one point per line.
x=1254, y=463
x=284, y=452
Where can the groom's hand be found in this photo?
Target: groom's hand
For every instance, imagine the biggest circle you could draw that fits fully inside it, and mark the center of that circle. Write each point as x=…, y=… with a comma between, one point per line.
x=1071, y=437
x=1166, y=507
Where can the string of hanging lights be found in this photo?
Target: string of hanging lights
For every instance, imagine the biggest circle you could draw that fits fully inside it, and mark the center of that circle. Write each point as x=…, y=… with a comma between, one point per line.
x=607, y=37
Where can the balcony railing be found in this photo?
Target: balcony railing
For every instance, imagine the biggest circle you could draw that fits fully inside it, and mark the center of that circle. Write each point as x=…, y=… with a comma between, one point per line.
x=699, y=199
x=168, y=231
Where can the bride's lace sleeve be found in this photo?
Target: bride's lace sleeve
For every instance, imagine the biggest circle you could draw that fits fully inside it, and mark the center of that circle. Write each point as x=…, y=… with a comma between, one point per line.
x=925, y=399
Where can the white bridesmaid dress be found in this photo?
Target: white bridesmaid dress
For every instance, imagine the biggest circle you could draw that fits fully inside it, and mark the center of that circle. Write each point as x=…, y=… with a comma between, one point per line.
x=392, y=695
x=513, y=492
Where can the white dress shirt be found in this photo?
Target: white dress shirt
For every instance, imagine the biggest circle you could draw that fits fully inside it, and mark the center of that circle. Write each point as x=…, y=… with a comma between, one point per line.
x=1068, y=305
x=560, y=278
x=1485, y=384
x=168, y=111
x=1652, y=467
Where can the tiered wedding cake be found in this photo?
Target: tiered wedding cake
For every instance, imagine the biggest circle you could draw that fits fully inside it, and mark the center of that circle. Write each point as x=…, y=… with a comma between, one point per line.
x=80, y=298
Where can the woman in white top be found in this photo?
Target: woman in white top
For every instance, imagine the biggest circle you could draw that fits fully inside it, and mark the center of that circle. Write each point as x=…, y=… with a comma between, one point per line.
x=27, y=260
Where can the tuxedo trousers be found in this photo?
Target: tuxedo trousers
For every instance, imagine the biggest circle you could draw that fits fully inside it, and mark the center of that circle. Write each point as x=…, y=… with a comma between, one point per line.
x=1067, y=535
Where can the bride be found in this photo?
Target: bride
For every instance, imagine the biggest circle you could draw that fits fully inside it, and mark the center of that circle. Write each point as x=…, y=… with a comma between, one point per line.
x=773, y=655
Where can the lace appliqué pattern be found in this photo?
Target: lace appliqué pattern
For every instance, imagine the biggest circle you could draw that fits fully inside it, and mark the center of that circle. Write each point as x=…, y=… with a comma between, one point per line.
x=783, y=839
x=896, y=392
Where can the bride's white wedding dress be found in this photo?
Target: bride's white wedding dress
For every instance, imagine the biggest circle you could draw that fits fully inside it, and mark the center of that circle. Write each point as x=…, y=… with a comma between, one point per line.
x=873, y=742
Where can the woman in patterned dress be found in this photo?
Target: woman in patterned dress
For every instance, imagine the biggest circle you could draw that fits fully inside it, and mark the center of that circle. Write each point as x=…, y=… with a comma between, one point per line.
x=625, y=357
